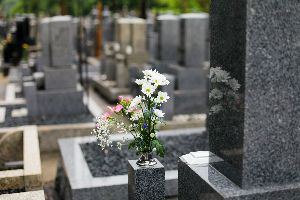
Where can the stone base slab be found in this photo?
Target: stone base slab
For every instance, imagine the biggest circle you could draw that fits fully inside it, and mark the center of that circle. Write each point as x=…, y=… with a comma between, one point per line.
x=108, y=89
x=60, y=102
x=204, y=182
x=35, y=195
x=60, y=79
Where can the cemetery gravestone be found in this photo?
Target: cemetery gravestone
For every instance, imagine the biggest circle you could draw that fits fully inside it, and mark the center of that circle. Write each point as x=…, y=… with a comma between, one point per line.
x=61, y=41
x=138, y=35
x=107, y=26
x=168, y=38
x=193, y=39
x=123, y=33
x=185, y=37
x=256, y=134
x=44, y=60
x=130, y=48
x=61, y=95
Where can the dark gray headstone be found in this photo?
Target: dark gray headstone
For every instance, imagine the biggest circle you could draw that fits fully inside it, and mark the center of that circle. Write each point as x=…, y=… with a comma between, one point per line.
x=193, y=46
x=262, y=110
x=255, y=130
x=61, y=41
x=168, y=38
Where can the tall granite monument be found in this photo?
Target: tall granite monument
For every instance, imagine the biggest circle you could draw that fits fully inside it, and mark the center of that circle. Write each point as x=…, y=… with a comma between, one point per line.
x=182, y=52
x=168, y=38
x=61, y=95
x=254, y=127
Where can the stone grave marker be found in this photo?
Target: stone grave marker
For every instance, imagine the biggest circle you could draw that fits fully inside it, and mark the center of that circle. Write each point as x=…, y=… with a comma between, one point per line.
x=61, y=41
x=254, y=129
x=193, y=46
x=168, y=37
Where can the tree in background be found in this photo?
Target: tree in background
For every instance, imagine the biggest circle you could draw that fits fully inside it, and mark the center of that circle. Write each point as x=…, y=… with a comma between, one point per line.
x=83, y=7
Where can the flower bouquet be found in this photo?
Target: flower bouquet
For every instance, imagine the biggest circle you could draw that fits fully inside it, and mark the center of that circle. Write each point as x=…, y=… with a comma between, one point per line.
x=140, y=118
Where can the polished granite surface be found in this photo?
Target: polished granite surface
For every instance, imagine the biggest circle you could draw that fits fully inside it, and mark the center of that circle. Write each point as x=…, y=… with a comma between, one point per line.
x=202, y=181
x=256, y=131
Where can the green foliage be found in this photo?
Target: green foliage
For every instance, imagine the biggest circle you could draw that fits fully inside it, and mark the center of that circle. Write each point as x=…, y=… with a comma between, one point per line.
x=177, y=6
x=83, y=7
x=160, y=150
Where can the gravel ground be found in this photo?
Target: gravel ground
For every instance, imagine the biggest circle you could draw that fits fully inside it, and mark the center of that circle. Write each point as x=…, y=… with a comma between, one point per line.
x=114, y=162
x=12, y=191
x=20, y=121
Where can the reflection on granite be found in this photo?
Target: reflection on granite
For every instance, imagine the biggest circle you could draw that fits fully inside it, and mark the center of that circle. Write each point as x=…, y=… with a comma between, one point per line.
x=257, y=43
x=226, y=128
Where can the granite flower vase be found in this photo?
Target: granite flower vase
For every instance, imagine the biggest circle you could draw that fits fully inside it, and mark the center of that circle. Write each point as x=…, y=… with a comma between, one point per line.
x=146, y=160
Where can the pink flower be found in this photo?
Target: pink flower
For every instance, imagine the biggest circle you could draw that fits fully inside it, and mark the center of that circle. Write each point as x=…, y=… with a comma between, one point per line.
x=106, y=115
x=120, y=98
x=118, y=108
x=112, y=109
x=128, y=99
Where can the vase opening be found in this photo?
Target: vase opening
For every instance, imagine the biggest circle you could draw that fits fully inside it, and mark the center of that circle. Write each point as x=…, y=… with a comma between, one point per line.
x=146, y=160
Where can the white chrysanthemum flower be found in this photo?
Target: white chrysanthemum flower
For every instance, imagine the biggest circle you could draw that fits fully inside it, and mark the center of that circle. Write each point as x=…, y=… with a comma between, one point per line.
x=162, y=97
x=159, y=79
x=215, y=94
x=149, y=73
x=136, y=115
x=140, y=81
x=135, y=102
x=148, y=89
x=159, y=113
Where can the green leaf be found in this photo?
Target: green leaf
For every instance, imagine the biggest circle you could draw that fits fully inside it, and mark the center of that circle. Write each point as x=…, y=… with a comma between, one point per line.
x=147, y=114
x=132, y=145
x=160, y=149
